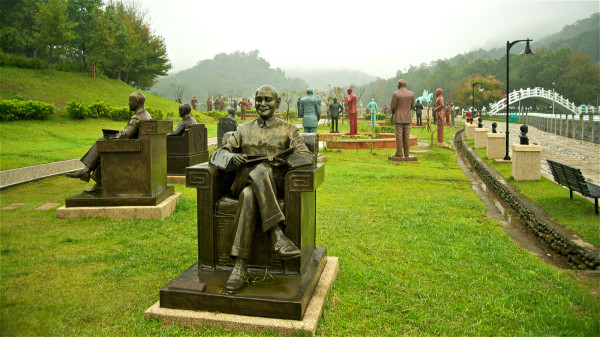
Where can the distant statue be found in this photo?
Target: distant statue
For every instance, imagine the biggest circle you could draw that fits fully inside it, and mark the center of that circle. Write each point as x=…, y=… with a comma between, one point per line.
x=91, y=160
x=309, y=108
x=186, y=120
x=225, y=125
x=439, y=111
x=208, y=105
x=335, y=109
x=194, y=103
x=243, y=105
x=372, y=106
x=419, y=112
x=469, y=117
x=403, y=101
x=447, y=114
x=426, y=97
x=261, y=152
x=385, y=109
x=523, y=139
x=479, y=123
x=352, y=113
x=249, y=104
x=494, y=125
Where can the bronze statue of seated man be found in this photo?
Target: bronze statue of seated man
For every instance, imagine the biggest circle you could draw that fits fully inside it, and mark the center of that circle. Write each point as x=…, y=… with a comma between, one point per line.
x=260, y=152
x=186, y=120
x=91, y=159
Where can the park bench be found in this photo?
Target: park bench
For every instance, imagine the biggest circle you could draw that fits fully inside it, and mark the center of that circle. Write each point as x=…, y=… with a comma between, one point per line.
x=573, y=179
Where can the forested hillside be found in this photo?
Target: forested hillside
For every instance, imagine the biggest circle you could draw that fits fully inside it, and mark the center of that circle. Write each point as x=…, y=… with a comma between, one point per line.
x=235, y=74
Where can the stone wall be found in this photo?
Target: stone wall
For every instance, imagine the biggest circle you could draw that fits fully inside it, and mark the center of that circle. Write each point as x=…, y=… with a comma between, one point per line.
x=578, y=253
x=569, y=126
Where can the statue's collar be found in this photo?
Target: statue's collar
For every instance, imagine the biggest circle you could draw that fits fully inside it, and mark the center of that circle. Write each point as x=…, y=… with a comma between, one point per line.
x=266, y=123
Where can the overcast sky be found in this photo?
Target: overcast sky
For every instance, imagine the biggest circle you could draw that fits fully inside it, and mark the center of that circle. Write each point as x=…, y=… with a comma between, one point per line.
x=377, y=37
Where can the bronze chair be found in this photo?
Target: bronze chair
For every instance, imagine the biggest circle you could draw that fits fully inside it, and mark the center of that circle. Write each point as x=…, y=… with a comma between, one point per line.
x=216, y=211
x=134, y=171
x=188, y=149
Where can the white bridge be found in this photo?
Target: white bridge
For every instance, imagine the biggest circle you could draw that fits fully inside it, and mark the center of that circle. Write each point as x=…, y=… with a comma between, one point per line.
x=547, y=96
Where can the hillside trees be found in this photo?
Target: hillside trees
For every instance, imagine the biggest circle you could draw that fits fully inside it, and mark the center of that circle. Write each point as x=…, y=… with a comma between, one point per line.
x=110, y=37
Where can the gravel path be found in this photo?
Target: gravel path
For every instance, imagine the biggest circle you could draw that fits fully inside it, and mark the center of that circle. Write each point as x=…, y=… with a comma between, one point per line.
x=573, y=152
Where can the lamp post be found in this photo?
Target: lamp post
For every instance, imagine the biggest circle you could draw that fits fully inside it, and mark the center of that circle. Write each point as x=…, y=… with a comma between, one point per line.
x=527, y=51
x=553, y=97
x=473, y=97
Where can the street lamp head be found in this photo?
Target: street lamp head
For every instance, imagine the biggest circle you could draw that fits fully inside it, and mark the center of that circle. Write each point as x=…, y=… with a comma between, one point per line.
x=527, y=50
x=480, y=87
x=553, y=82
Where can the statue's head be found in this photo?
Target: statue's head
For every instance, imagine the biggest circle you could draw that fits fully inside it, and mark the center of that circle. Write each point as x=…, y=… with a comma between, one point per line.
x=439, y=91
x=401, y=84
x=349, y=91
x=372, y=99
x=524, y=128
x=184, y=109
x=136, y=100
x=335, y=100
x=418, y=102
x=266, y=101
x=309, y=91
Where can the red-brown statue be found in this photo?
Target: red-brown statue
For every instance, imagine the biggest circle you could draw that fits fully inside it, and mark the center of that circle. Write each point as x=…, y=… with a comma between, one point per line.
x=403, y=101
x=447, y=114
x=243, y=105
x=468, y=113
x=439, y=112
x=352, y=113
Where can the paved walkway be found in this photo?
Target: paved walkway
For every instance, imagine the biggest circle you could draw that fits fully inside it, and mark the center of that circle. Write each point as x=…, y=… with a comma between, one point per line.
x=573, y=152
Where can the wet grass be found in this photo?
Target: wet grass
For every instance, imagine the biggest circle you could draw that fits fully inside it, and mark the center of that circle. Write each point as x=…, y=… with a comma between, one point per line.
x=417, y=256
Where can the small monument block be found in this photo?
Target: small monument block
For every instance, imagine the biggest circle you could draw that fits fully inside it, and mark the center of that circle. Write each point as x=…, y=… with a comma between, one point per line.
x=481, y=137
x=526, y=162
x=470, y=131
x=496, y=145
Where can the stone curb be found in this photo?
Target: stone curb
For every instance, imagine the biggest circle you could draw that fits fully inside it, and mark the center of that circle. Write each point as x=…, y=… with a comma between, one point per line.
x=23, y=175
x=572, y=247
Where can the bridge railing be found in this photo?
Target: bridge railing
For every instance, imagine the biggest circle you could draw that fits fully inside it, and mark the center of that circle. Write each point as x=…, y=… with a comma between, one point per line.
x=547, y=95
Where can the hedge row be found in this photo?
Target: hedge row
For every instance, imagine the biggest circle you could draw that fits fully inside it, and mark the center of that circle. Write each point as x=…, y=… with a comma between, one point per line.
x=12, y=110
x=101, y=109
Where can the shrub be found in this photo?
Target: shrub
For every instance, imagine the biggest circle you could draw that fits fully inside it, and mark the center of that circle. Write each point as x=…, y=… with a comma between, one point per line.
x=216, y=114
x=98, y=109
x=11, y=110
x=20, y=61
x=380, y=117
x=76, y=110
x=155, y=113
x=120, y=113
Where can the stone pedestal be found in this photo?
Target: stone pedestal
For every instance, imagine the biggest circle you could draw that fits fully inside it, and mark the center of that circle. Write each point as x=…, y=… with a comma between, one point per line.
x=470, y=131
x=526, y=162
x=496, y=146
x=402, y=159
x=458, y=118
x=481, y=137
x=442, y=145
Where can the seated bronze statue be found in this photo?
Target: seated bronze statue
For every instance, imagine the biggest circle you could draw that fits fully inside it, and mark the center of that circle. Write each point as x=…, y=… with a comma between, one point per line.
x=186, y=120
x=91, y=159
x=261, y=152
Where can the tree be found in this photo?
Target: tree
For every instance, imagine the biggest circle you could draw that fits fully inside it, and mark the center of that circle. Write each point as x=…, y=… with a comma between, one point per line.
x=287, y=96
x=53, y=31
x=492, y=92
x=81, y=12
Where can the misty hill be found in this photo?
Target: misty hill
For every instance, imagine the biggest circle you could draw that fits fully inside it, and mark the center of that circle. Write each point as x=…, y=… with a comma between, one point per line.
x=235, y=74
x=322, y=78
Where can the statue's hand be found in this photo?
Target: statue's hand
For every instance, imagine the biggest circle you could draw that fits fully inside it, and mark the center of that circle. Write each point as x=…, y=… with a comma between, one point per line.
x=239, y=160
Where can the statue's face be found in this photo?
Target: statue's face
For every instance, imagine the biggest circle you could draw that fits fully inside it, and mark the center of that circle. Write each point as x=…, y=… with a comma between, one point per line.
x=266, y=101
x=132, y=102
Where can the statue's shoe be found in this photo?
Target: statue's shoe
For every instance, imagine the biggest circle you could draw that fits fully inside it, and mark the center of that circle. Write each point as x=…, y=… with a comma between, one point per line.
x=97, y=188
x=235, y=281
x=82, y=174
x=286, y=249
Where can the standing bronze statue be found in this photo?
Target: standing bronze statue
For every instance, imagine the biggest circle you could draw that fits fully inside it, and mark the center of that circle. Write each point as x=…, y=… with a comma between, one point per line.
x=439, y=112
x=403, y=101
x=309, y=108
x=91, y=159
x=194, y=103
x=352, y=113
x=335, y=109
x=186, y=120
x=261, y=152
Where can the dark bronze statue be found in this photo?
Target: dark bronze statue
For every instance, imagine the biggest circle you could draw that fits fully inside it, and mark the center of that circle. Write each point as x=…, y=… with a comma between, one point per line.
x=494, y=126
x=261, y=152
x=523, y=139
x=91, y=159
x=403, y=101
x=225, y=125
x=479, y=122
x=335, y=109
x=186, y=120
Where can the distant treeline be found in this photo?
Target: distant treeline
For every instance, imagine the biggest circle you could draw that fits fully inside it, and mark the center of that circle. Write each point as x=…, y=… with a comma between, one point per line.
x=111, y=39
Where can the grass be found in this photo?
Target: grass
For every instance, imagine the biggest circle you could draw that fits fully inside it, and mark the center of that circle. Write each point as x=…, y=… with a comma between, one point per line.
x=413, y=260
x=576, y=214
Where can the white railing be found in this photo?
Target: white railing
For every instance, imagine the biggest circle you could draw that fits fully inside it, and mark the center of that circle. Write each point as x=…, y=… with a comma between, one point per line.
x=548, y=96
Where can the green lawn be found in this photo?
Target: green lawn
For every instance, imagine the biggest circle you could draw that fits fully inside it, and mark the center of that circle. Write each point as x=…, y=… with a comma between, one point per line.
x=413, y=260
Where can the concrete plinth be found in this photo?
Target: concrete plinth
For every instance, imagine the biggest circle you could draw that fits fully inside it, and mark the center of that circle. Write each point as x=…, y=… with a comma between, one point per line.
x=442, y=145
x=481, y=137
x=176, y=179
x=470, y=131
x=526, y=162
x=402, y=159
x=251, y=324
x=496, y=145
x=159, y=212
